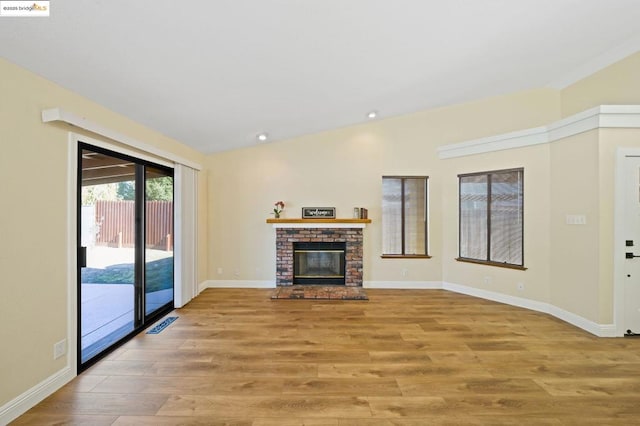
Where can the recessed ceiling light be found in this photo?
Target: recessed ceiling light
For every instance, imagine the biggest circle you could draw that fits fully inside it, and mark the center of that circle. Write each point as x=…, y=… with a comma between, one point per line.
x=262, y=137
x=372, y=114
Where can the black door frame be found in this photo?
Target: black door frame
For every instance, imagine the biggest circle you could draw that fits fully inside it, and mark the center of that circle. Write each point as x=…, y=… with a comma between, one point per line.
x=141, y=320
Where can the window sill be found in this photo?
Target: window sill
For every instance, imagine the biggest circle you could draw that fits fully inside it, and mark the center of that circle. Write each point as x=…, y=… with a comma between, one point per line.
x=405, y=256
x=488, y=263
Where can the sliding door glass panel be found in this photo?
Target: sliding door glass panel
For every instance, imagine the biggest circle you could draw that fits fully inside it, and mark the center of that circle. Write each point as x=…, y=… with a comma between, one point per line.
x=158, y=239
x=107, y=230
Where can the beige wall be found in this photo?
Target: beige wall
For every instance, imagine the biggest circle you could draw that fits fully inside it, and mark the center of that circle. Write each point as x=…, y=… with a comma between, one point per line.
x=618, y=84
x=535, y=161
x=574, y=248
x=583, y=181
x=583, y=171
x=335, y=169
x=343, y=168
x=33, y=221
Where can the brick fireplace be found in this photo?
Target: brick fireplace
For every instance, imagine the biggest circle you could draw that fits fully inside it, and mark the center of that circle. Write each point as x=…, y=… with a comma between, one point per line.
x=310, y=231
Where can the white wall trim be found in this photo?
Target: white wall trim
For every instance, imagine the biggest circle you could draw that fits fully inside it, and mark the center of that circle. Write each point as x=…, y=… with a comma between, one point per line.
x=603, y=116
x=203, y=286
x=237, y=284
x=619, y=233
x=600, y=330
x=495, y=296
x=22, y=403
x=518, y=139
x=72, y=254
x=59, y=114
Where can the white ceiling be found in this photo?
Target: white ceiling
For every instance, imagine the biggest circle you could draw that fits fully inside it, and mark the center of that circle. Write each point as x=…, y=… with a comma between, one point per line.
x=215, y=73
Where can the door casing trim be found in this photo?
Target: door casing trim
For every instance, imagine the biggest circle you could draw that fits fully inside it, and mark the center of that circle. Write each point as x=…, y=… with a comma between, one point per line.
x=72, y=258
x=619, y=236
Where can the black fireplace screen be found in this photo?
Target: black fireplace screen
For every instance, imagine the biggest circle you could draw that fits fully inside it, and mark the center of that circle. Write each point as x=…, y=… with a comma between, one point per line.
x=319, y=263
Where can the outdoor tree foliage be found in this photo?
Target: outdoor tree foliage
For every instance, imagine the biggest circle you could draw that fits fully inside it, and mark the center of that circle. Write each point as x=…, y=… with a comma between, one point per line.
x=92, y=193
x=126, y=190
x=158, y=189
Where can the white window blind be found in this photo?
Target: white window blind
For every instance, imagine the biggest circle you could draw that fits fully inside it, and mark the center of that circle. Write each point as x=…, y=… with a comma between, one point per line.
x=491, y=217
x=404, y=216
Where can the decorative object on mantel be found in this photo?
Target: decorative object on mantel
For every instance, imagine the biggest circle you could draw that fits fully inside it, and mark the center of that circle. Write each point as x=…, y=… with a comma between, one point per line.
x=360, y=213
x=278, y=207
x=318, y=212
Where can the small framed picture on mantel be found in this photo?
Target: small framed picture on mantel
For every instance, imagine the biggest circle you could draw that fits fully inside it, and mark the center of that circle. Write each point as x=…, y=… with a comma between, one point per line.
x=318, y=212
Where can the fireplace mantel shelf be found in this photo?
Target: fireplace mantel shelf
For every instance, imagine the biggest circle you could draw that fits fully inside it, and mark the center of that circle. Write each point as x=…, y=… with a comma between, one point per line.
x=318, y=223
x=286, y=220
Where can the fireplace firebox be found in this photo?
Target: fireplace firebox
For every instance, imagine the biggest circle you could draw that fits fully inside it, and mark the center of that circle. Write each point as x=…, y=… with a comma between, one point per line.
x=321, y=263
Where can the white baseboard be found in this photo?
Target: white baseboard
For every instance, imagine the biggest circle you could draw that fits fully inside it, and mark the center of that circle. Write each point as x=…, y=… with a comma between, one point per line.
x=237, y=284
x=520, y=302
x=600, y=330
x=203, y=285
x=22, y=403
x=404, y=285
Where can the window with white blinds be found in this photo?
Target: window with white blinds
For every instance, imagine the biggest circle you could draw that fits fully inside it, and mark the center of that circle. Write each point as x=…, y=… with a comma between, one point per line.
x=404, y=216
x=491, y=217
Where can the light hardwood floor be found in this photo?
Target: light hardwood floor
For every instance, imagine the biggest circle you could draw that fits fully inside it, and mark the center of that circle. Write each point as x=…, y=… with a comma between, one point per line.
x=405, y=357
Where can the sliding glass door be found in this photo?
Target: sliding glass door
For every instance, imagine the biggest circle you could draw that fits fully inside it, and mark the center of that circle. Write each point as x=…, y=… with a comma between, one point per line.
x=125, y=248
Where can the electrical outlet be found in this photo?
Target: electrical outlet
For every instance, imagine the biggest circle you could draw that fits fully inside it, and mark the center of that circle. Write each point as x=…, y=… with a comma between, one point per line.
x=219, y=271
x=520, y=286
x=404, y=272
x=59, y=349
x=487, y=280
x=237, y=273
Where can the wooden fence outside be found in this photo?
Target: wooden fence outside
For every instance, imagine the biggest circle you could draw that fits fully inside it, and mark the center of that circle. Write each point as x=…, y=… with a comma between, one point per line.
x=115, y=222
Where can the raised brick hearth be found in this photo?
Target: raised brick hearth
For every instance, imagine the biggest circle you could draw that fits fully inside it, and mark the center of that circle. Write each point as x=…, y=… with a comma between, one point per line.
x=285, y=237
